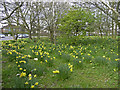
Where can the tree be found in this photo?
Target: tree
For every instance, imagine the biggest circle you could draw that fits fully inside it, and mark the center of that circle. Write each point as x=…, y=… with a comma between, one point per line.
x=51, y=11
x=12, y=12
x=76, y=20
x=103, y=5
x=28, y=17
x=12, y=19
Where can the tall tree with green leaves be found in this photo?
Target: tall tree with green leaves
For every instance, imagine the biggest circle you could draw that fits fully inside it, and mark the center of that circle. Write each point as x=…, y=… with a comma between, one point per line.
x=75, y=21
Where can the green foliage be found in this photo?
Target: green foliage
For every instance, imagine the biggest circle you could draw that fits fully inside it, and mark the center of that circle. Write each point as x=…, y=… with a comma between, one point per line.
x=75, y=20
x=99, y=64
x=78, y=63
x=49, y=61
x=87, y=58
x=100, y=60
x=64, y=72
x=66, y=57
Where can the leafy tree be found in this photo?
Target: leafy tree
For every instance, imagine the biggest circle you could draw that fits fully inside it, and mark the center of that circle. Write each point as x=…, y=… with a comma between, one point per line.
x=76, y=20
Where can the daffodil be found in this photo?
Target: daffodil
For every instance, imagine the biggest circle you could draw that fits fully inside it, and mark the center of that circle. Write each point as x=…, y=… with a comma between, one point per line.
x=48, y=56
x=117, y=59
x=22, y=74
x=76, y=57
x=71, y=69
x=20, y=69
x=29, y=75
x=24, y=70
x=23, y=57
x=69, y=64
x=79, y=61
x=103, y=56
x=41, y=62
x=54, y=57
x=114, y=70
x=35, y=75
x=88, y=54
x=30, y=78
x=36, y=83
x=46, y=61
x=57, y=71
x=26, y=82
x=71, y=47
x=32, y=86
x=37, y=53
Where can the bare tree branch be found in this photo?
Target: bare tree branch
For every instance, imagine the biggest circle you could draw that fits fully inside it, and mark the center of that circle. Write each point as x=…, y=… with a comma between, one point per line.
x=8, y=16
x=110, y=7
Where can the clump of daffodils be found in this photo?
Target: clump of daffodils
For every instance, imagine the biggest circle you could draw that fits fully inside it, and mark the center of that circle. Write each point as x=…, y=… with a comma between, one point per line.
x=70, y=67
x=56, y=71
x=117, y=59
x=22, y=74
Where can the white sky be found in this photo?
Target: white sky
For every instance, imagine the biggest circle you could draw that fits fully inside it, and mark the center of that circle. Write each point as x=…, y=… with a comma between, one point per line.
x=57, y=0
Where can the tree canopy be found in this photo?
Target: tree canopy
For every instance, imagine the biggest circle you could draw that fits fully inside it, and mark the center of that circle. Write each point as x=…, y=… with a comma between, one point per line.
x=76, y=20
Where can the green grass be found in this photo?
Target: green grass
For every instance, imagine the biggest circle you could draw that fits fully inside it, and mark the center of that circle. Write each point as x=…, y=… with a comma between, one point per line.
x=94, y=73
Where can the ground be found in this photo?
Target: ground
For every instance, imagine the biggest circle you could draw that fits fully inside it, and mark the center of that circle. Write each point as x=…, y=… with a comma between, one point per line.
x=92, y=63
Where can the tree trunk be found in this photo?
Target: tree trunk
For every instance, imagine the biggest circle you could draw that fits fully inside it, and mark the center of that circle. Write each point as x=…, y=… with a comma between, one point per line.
x=88, y=33
x=30, y=37
x=112, y=28
x=13, y=34
x=115, y=30
x=51, y=36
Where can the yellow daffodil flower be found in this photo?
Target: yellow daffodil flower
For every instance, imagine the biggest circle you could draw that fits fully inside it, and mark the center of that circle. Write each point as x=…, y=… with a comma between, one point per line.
x=57, y=71
x=30, y=78
x=46, y=61
x=71, y=69
x=26, y=82
x=114, y=70
x=36, y=83
x=35, y=75
x=20, y=69
x=79, y=61
x=32, y=86
x=29, y=75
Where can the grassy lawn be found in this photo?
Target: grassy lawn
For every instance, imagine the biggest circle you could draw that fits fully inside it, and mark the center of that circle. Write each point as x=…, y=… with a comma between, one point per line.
x=93, y=63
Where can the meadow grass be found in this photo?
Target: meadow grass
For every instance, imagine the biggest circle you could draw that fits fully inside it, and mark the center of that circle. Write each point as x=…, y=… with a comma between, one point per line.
x=93, y=62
